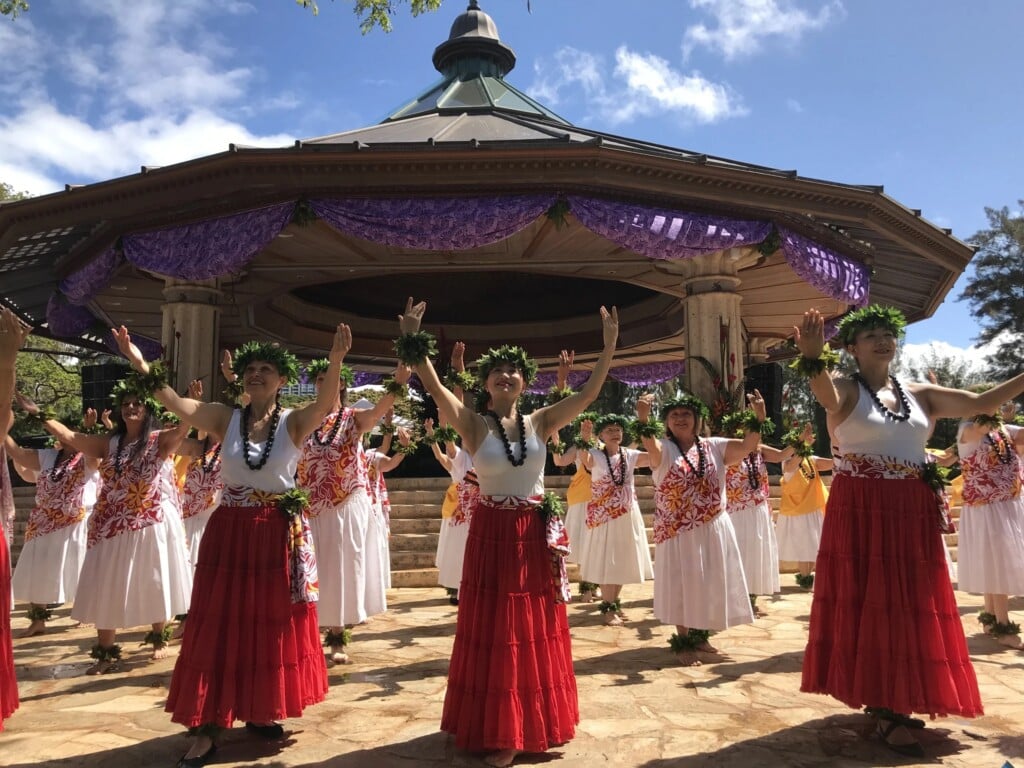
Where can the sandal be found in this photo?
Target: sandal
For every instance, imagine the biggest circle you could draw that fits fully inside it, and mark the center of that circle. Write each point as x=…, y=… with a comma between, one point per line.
x=912, y=749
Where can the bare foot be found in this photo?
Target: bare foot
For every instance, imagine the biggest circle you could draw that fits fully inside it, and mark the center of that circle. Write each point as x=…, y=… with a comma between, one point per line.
x=688, y=658
x=33, y=629
x=179, y=631
x=503, y=758
x=338, y=656
x=159, y=652
x=586, y=596
x=612, y=619
x=102, y=667
x=1010, y=641
x=707, y=647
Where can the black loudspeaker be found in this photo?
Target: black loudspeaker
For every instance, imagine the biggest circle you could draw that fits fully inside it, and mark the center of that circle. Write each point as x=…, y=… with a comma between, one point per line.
x=98, y=382
x=766, y=378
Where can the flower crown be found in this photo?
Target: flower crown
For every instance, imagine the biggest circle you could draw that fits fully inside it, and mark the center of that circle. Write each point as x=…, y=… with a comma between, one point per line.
x=612, y=419
x=128, y=387
x=315, y=367
x=279, y=357
x=689, y=402
x=866, y=318
x=506, y=354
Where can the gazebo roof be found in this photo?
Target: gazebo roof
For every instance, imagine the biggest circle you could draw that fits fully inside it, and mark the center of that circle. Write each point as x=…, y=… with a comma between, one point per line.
x=471, y=135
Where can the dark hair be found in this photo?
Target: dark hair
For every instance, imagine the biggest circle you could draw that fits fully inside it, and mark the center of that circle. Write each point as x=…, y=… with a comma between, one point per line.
x=149, y=425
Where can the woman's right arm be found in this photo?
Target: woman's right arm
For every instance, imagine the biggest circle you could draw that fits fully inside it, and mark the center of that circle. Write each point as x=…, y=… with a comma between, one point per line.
x=810, y=340
x=93, y=446
x=26, y=457
x=643, y=414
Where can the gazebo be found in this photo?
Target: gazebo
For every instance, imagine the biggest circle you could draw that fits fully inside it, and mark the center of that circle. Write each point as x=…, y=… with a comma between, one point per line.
x=513, y=223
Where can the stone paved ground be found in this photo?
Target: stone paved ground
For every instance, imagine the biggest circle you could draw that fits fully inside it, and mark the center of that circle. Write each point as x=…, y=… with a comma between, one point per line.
x=638, y=708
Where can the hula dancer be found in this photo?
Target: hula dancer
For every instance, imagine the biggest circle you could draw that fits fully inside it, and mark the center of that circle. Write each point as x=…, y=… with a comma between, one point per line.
x=802, y=507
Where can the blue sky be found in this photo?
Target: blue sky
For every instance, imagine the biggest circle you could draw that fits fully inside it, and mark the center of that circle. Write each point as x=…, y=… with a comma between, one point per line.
x=921, y=96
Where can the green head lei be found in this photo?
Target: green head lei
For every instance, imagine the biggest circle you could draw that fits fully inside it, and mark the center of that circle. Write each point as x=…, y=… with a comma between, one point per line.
x=609, y=420
x=867, y=318
x=689, y=402
x=279, y=357
x=320, y=365
x=585, y=416
x=506, y=353
x=124, y=389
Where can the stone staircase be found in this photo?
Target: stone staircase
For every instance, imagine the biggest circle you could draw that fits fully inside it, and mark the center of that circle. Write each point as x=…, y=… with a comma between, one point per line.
x=416, y=524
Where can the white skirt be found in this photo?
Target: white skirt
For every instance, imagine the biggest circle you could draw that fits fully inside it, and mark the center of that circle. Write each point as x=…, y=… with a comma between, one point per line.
x=49, y=565
x=451, y=552
x=575, y=525
x=140, y=577
x=616, y=552
x=755, y=536
x=799, y=536
x=698, y=579
x=339, y=540
x=990, y=553
x=378, y=564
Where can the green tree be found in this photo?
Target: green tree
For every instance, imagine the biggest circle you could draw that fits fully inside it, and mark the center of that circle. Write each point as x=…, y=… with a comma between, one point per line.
x=378, y=13
x=7, y=191
x=12, y=7
x=49, y=372
x=947, y=371
x=996, y=290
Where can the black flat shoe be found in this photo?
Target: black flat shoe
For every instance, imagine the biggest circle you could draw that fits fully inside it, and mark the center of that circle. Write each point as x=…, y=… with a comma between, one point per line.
x=199, y=760
x=272, y=731
x=913, y=749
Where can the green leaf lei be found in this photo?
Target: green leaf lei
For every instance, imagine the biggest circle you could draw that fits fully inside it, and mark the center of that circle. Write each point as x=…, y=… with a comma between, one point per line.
x=393, y=388
x=652, y=429
x=556, y=394
x=987, y=421
x=934, y=476
x=794, y=439
x=414, y=348
x=583, y=445
x=293, y=501
x=463, y=380
x=809, y=367
x=552, y=506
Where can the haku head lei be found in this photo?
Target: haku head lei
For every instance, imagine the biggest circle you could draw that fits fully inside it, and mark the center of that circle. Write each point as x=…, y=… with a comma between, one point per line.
x=127, y=388
x=867, y=318
x=689, y=402
x=610, y=420
x=506, y=354
x=320, y=365
x=279, y=357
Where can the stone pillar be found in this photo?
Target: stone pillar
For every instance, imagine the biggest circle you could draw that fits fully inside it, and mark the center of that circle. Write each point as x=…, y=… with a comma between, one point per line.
x=191, y=333
x=714, y=325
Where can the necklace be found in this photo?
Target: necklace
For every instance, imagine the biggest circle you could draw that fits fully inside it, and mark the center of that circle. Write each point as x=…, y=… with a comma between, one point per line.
x=701, y=458
x=60, y=468
x=752, y=473
x=330, y=435
x=274, y=418
x=621, y=479
x=504, y=438
x=208, y=464
x=1002, y=447
x=879, y=406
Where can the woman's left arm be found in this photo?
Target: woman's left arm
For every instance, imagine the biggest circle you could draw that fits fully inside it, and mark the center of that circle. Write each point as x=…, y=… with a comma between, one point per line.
x=553, y=417
x=735, y=450
x=945, y=403
x=304, y=420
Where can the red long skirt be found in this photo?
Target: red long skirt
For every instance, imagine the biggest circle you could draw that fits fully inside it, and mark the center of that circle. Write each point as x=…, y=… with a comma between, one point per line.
x=510, y=682
x=8, y=683
x=885, y=630
x=248, y=652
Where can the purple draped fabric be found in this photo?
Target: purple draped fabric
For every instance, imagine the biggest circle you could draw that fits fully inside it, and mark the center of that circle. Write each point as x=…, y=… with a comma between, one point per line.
x=662, y=233
x=362, y=378
x=67, y=320
x=150, y=348
x=210, y=248
x=645, y=375
x=546, y=380
x=831, y=273
x=832, y=328
x=81, y=286
x=433, y=224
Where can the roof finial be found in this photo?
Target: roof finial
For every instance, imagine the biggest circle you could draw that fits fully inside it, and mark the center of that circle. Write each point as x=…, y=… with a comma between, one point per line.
x=473, y=6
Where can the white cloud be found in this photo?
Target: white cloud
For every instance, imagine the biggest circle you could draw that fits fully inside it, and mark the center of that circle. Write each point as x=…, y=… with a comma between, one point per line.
x=112, y=90
x=639, y=85
x=741, y=26
x=794, y=106
x=976, y=356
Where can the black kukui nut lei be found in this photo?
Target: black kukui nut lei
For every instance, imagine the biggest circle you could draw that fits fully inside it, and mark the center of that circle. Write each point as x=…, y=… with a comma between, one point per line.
x=504, y=438
x=701, y=457
x=621, y=479
x=904, y=415
x=275, y=416
x=1002, y=447
x=60, y=468
x=333, y=433
x=753, y=475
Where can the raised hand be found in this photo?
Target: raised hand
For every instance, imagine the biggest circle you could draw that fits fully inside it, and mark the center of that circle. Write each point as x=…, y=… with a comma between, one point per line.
x=586, y=429
x=129, y=350
x=610, y=326
x=12, y=335
x=756, y=402
x=403, y=436
x=428, y=427
x=458, y=360
x=227, y=368
x=808, y=434
x=565, y=361
x=195, y=389
x=810, y=335
x=409, y=321
x=105, y=418
x=403, y=373
x=89, y=419
x=644, y=406
x=342, y=343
